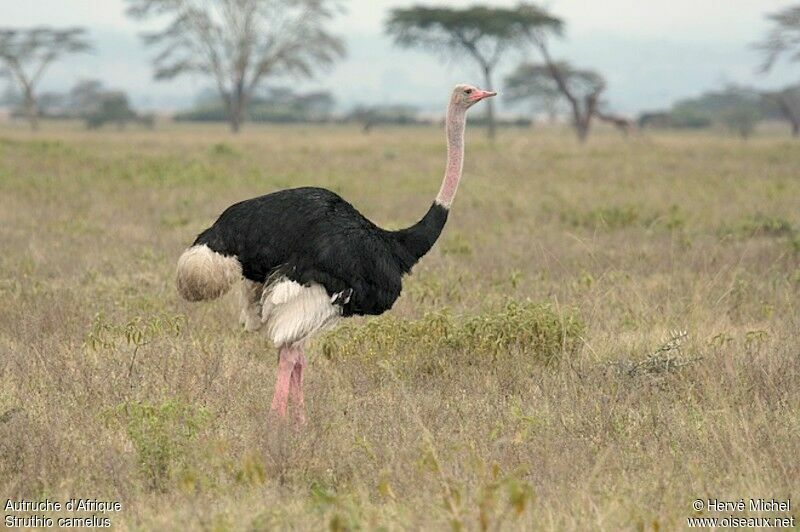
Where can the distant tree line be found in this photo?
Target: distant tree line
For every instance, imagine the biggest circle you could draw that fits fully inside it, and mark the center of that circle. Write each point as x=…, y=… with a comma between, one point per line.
x=283, y=105
x=736, y=108
x=236, y=43
x=241, y=45
x=87, y=100
x=277, y=105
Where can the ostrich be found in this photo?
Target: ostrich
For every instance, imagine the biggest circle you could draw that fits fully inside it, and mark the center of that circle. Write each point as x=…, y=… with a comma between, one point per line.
x=308, y=258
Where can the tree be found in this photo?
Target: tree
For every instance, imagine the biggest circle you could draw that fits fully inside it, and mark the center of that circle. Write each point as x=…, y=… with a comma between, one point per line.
x=785, y=104
x=524, y=85
x=97, y=105
x=741, y=120
x=50, y=104
x=783, y=38
x=625, y=125
x=10, y=95
x=27, y=53
x=580, y=88
x=735, y=107
x=239, y=43
x=112, y=107
x=84, y=96
x=483, y=33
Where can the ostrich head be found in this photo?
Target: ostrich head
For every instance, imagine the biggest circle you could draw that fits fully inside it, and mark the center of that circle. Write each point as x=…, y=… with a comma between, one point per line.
x=465, y=96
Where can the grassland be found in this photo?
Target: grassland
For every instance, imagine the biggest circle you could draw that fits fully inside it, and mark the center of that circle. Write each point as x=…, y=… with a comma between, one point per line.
x=530, y=377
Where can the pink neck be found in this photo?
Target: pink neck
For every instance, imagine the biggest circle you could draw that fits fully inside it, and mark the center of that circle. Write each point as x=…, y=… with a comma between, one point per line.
x=456, y=119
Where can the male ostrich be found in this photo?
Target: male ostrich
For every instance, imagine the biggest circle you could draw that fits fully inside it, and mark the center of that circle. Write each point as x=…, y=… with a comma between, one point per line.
x=308, y=257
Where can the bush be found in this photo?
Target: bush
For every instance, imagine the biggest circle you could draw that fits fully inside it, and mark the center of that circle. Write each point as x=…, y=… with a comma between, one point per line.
x=528, y=328
x=612, y=217
x=534, y=331
x=161, y=434
x=760, y=225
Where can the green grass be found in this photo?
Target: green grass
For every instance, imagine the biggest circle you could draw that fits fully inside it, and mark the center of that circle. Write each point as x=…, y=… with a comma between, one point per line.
x=528, y=378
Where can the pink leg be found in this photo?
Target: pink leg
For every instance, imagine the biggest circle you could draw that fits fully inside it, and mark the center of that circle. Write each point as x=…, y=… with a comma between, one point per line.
x=296, y=387
x=286, y=363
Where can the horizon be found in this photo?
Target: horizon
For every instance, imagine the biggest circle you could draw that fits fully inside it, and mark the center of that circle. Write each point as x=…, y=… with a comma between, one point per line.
x=651, y=57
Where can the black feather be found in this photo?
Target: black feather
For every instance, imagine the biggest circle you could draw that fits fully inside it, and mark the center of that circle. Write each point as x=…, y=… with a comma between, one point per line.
x=313, y=235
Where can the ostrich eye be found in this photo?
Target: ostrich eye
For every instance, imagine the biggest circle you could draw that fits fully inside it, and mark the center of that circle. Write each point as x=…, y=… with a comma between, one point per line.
x=468, y=91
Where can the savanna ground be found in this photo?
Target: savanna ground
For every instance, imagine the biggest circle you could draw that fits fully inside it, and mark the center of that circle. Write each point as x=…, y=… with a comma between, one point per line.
x=602, y=335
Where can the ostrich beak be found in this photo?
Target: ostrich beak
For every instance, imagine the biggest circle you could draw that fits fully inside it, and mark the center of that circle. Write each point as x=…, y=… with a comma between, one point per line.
x=481, y=94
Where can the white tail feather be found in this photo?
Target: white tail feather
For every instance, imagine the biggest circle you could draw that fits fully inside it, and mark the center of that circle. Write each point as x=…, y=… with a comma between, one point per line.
x=205, y=274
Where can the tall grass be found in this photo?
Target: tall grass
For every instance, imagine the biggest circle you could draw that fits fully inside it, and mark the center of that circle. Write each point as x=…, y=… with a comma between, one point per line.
x=528, y=378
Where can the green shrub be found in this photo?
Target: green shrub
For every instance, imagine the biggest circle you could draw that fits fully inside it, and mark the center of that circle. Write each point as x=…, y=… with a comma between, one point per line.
x=161, y=434
x=673, y=219
x=794, y=243
x=456, y=244
x=222, y=148
x=760, y=225
x=531, y=330
x=613, y=217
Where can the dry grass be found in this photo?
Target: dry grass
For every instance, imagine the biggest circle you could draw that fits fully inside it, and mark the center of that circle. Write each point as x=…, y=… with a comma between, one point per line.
x=527, y=378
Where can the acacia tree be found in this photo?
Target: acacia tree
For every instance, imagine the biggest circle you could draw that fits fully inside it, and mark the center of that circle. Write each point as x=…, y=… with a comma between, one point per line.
x=541, y=95
x=85, y=95
x=783, y=38
x=581, y=89
x=786, y=103
x=26, y=54
x=97, y=105
x=484, y=34
x=239, y=43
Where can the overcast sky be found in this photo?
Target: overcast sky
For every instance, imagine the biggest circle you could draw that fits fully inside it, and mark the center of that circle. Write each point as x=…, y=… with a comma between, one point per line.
x=652, y=52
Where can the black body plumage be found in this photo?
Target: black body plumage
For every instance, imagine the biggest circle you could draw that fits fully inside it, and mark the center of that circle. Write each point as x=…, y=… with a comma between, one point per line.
x=313, y=235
